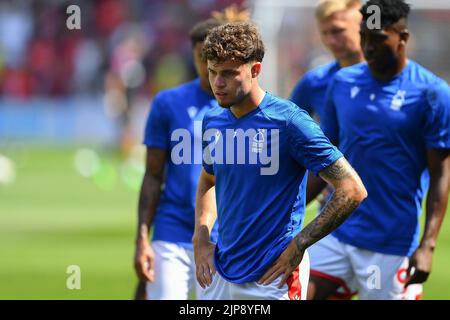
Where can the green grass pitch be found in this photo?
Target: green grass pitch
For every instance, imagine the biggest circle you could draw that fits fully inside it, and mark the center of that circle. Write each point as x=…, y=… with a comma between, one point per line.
x=51, y=217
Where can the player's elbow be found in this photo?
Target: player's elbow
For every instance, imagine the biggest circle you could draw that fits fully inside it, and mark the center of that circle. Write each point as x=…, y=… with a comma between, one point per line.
x=353, y=189
x=357, y=192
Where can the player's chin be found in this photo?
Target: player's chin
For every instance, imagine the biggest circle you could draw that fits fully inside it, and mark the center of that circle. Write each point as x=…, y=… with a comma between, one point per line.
x=339, y=53
x=377, y=66
x=224, y=104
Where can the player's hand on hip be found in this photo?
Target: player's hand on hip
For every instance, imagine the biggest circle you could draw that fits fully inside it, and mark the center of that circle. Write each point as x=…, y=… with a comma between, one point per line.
x=286, y=263
x=419, y=265
x=204, y=263
x=144, y=261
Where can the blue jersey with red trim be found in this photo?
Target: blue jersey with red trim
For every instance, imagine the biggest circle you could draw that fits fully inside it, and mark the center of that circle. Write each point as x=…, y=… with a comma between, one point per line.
x=259, y=163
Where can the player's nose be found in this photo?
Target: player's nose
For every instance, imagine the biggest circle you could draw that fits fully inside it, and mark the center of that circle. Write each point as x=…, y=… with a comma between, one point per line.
x=219, y=82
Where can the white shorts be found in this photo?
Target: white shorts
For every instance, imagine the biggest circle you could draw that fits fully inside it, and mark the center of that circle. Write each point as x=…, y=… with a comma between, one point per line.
x=372, y=275
x=295, y=288
x=174, y=273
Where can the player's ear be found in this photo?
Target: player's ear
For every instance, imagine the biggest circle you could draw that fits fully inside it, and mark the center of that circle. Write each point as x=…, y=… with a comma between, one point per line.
x=404, y=36
x=256, y=69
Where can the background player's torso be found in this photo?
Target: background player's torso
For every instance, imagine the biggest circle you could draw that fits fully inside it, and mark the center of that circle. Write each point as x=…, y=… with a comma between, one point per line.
x=184, y=109
x=382, y=132
x=310, y=92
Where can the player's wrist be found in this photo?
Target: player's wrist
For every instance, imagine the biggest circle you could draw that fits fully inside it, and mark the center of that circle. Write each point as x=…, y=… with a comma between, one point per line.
x=428, y=245
x=142, y=235
x=200, y=240
x=141, y=239
x=300, y=242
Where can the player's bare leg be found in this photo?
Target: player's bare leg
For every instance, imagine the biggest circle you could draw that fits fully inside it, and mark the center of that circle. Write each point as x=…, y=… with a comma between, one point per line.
x=320, y=288
x=140, y=293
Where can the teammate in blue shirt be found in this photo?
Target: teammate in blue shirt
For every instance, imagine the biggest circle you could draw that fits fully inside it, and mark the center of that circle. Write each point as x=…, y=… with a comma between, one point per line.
x=257, y=149
x=167, y=197
x=391, y=119
x=338, y=22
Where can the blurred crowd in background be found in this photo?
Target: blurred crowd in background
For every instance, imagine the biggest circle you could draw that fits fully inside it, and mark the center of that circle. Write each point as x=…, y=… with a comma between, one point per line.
x=139, y=44
x=127, y=51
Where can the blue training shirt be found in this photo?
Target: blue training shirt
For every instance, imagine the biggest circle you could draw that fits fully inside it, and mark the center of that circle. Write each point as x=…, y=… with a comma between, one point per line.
x=260, y=208
x=384, y=129
x=178, y=109
x=310, y=91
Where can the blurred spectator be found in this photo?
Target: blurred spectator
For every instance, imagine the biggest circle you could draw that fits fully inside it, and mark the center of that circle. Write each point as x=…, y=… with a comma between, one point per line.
x=131, y=40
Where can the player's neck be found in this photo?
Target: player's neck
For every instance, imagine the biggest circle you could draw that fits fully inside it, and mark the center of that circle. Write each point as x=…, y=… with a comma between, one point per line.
x=389, y=74
x=250, y=103
x=349, y=61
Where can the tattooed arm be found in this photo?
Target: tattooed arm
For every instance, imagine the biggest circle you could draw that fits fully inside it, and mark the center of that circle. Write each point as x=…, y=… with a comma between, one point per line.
x=349, y=193
x=148, y=201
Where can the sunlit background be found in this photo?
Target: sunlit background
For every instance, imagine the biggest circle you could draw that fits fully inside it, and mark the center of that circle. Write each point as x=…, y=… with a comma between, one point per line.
x=72, y=110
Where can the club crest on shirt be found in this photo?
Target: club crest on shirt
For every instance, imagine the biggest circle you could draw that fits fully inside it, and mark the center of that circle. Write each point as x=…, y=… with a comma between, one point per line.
x=258, y=141
x=354, y=91
x=398, y=100
x=192, y=111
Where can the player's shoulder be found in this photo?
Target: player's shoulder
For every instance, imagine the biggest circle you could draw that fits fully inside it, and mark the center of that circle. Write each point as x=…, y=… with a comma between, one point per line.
x=432, y=86
x=279, y=109
x=352, y=74
x=176, y=93
x=418, y=74
x=321, y=72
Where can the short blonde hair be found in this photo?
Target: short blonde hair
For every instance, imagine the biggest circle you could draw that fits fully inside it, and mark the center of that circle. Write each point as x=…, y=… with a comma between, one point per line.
x=326, y=8
x=232, y=13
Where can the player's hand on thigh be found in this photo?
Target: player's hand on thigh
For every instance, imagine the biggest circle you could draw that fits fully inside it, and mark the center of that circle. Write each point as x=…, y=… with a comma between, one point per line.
x=286, y=263
x=204, y=263
x=419, y=266
x=144, y=261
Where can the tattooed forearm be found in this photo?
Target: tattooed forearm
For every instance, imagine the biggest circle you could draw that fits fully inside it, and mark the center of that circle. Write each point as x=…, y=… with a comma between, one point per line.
x=338, y=208
x=340, y=170
x=332, y=216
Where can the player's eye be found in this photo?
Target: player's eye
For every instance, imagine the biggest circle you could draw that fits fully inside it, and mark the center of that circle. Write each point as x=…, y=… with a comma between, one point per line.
x=337, y=31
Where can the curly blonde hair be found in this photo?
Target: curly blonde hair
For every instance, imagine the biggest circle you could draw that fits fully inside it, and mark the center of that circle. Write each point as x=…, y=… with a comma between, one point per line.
x=236, y=41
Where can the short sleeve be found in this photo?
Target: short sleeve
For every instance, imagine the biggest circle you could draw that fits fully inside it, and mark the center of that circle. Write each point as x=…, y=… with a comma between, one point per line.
x=437, y=117
x=308, y=144
x=207, y=157
x=329, y=122
x=300, y=95
x=157, y=128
